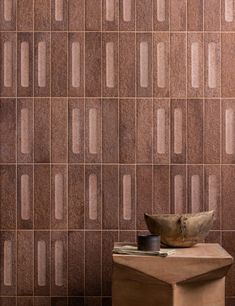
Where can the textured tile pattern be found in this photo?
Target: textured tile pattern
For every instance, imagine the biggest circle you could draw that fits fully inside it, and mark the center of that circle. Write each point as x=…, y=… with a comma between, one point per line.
x=108, y=109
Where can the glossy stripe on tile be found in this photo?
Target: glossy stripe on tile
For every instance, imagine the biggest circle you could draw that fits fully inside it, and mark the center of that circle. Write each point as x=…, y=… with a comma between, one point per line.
x=195, y=65
x=127, y=197
x=161, y=131
x=92, y=197
x=178, y=125
x=25, y=197
x=228, y=10
x=213, y=193
x=178, y=193
x=110, y=10
x=127, y=10
x=59, y=10
x=161, y=10
x=24, y=64
x=25, y=147
x=76, y=137
x=59, y=262
x=59, y=196
x=8, y=5
x=110, y=64
x=41, y=263
x=93, y=131
x=144, y=64
x=42, y=64
x=8, y=62
x=161, y=65
x=229, y=131
x=212, y=65
x=195, y=193
x=76, y=64
x=7, y=263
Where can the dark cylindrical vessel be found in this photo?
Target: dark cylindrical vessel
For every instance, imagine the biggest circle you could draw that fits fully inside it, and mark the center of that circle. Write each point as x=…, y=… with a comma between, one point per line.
x=148, y=243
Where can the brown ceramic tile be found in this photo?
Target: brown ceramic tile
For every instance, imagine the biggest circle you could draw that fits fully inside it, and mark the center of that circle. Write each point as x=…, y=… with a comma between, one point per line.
x=108, y=239
x=127, y=236
x=59, y=197
x=76, y=15
x=42, y=197
x=76, y=301
x=211, y=130
x=93, y=197
x=161, y=131
x=144, y=64
x=8, y=276
x=214, y=237
x=25, y=205
x=127, y=64
x=195, y=15
x=195, y=189
x=212, y=15
x=110, y=130
x=25, y=67
x=178, y=189
x=59, y=108
x=93, y=64
x=127, y=15
x=230, y=301
x=42, y=15
x=25, y=263
x=161, y=189
x=8, y=130
x=76, y=130
x=107, y=301
x=227, y=16
x=42, y=301
x=178, y=131
x=229, y=244
x=59, y=64
x=178, y=65
x=9, y=23
x=76, y=197
x=42, y=64
x=76, y=64
x=227, y=197
x=59, y=301
x=42, y=257
x=212, y=61
x=93, y=263
x=8, y=60
x=109, y=197
x=6, y=301
x=195, y=65
x=110, y=64
x=110, y=15
x=127, y=131
x=227, y=122
x=8, y=197
x=178, y=15
x=93, y=13
x=195, y=131
x=144, y=131
x=76, y=263
x=227, y=63
x=59, y=264
x=25, y=132
x=24, y=15
x=25, y=301
x=93, y=130
x=144, y=15
x=161, y=16
x=127, y=197
x=59, y=15
x=42, y=130
x=144, y=194
x=161, y=54
x=212, y=192
x=93, y=301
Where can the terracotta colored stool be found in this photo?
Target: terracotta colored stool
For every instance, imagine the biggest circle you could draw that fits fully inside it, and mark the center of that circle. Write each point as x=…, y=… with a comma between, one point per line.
x=191, y=277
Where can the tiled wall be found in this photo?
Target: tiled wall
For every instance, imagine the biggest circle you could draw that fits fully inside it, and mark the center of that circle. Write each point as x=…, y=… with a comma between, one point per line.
x=109, y=109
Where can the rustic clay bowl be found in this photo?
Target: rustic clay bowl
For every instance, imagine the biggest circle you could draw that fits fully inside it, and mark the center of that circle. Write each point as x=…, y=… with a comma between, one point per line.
x=180, y=230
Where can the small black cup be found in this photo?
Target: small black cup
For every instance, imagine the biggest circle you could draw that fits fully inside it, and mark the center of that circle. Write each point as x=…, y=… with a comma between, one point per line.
x=148, y=243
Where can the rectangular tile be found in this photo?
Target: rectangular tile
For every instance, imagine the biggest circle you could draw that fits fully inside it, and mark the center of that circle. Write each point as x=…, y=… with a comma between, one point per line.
x=25, y=263
x=76, y=259
x=161, y=132
x=59, y=15
x=211, y=130
x=42, y=197
x=127, y=14
x=93, y=263
x=227, y=63
x=8, y=20
x=144, y=194
x=178, y=65
x=161, y=68
x=8, y=130
x=8, y=62
x=76, y=197
x=144, y=15
x=42, y=130
x=227, y=137
x=73, y=301
x=110, y=131
x=8, y=197
x=178, y=189
x=42, y=301
x=110, y=64
x=228, y=244
x=127, y=236
x=228, y=195
x=110, y=14
x=59, y=64
x=93, y=197
x=25, y=15
x=144, y=131
x=109, y=197
x=161, y=189
x=93, y=301
x=212, y=15
x=178, y=15
x=93, y=11
x=161, y=11
x=6, y=301
x=76, y=15
x=59, y=301
x=144, y=64
x=59, y=135
x=127, y=141
x=195, y=189
x=227, y=15
x=195, y=15
x=195, y=131
x=42, y=15
x=127, y=203
x=25, y=301
x=127, y=64
x=93, y=64
x=25, y=64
